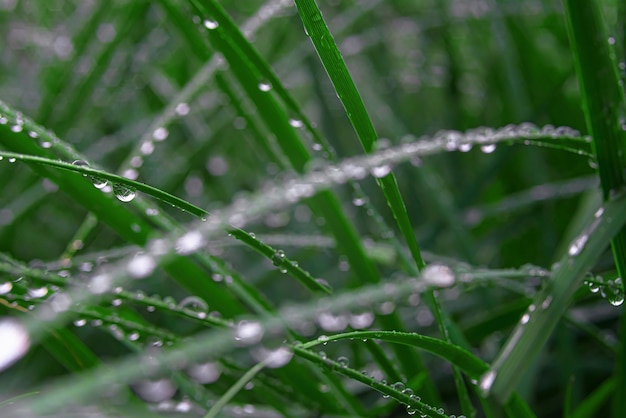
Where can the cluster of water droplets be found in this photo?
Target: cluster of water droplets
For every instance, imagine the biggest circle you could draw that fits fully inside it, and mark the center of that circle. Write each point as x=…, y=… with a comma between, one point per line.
x=610, y=289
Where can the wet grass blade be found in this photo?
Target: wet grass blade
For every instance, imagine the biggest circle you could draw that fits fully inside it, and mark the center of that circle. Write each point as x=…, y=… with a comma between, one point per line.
x=547, y=309
x=333, y=62
x=605, y=114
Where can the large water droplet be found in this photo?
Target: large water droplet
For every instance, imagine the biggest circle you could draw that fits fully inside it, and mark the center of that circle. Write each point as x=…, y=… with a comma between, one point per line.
x=160, y=134
x=142, y=265
x=123, y=193
x=265, y=86
x=578, y=245
x=210, y=24
x=15, y=341
x=438, y=275
x=190, y=242
x=248, y=332
x=486, y=381
x=273, y=358
x=204, y=373
x=381, y=171
x=154, y=390
x=195, y=304
x=5, y=288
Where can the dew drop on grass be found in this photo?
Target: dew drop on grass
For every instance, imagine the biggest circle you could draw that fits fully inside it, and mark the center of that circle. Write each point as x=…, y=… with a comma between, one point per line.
x=578, y=245
x=142, y=265
x=343, y=361
x=296, y=123
x=154, y=390
x=5, y=288
x=80, y=322
x=488, y=149
x=381, y=171
x=204, y=373
x=37, y=293
x=265, y=86
x=15, y=341
x=438, y=275
x=123, y=193
x=278, y=258
x=160, y=134
x=196, y=305
x=190, y=242
x=248, y=332
x=81, y=163
x=210, y=24
x=486, y=381
x=182, y=109
x=273, y=359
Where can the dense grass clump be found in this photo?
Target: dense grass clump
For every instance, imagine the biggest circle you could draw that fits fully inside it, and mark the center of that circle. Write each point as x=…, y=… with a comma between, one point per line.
x=297, y=209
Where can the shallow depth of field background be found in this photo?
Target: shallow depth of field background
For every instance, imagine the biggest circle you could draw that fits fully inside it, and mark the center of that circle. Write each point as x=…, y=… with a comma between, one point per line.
x=98, y=77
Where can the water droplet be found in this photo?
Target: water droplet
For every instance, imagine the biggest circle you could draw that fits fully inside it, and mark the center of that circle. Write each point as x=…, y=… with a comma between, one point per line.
x=578, y=245
x=204, y=373
x=15, y=341
x=362, y=320
x=12, y=160
x=210, y=24
x=98, y=182
x=278, y=258
x=182, y=109
x=100, y=284
x=160, y=134
x=486, y=381
x=438, y=275
x=123, y=193
x=296, y=123
x=142, y=265
x=190, y=242
x=81, y=163
x=154, y=390
x=399, y=386
x=196, y=305
x=381, y=171
x=80, y=323
x=5, y=288
x=265, y=86
x=343, y=361
x=273, y=358
x=38, y=292
x=525, y=318
x=488, y=149
x=248, y=332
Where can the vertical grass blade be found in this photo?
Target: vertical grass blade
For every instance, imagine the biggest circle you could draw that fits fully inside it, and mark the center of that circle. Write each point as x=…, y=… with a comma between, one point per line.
x=333, y=62
x=605, y=115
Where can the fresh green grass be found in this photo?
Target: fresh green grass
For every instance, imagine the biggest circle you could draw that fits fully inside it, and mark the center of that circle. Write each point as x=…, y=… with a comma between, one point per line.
x=298, y=211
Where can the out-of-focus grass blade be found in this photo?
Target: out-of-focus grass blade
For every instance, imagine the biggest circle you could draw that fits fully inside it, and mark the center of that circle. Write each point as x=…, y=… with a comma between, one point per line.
x=588, y=408
x=605, y=114
x=549, y=305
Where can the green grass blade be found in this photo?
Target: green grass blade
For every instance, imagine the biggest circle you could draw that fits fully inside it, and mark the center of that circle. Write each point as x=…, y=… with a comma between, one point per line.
x=331, y=58
x=548, y=307
x=605, y=113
